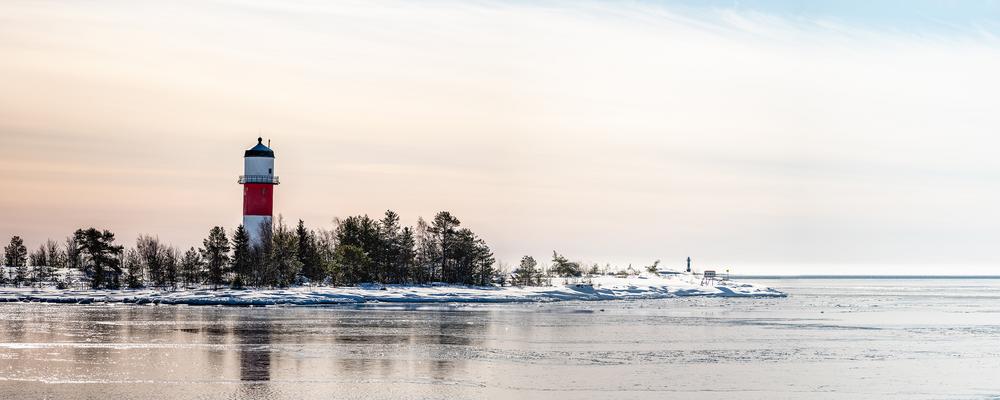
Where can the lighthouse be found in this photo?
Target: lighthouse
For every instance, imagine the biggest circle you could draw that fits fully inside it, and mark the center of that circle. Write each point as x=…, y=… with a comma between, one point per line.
x=258, y=182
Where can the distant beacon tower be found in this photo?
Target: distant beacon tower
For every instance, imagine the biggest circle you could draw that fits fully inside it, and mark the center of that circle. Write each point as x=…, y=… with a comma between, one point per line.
x=258, y=182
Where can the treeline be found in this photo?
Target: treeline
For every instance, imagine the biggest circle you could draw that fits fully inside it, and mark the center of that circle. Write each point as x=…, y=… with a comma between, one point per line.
x=359, y=249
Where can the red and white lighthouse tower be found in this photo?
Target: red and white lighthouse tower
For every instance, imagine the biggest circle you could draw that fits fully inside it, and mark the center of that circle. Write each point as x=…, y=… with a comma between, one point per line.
x=258, y=182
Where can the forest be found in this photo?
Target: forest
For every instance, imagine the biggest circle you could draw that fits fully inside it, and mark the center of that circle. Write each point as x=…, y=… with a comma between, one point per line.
x=358, y=250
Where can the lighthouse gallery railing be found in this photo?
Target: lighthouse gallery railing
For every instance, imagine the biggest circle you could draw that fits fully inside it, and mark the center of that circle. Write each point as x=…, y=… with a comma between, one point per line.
x=259, y=179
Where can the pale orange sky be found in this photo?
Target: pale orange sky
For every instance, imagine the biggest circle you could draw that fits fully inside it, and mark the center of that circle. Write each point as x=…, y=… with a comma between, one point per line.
x=609, y=132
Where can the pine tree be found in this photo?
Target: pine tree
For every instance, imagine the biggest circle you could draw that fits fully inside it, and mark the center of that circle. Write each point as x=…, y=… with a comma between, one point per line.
x=215, y=252
x=16, y=256
x=241, y=258
x=526, y=273
x=101, y=255
x=563, y=267
x=483, y=271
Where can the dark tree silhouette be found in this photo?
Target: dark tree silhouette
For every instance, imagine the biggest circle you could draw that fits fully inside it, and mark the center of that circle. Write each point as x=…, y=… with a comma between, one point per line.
x=101, y=255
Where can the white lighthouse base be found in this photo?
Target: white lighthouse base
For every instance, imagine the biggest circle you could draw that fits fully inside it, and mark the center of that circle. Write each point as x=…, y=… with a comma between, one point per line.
x=257, y=226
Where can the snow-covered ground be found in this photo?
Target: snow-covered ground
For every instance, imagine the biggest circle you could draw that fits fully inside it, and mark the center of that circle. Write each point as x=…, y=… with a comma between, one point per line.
x=596, y=288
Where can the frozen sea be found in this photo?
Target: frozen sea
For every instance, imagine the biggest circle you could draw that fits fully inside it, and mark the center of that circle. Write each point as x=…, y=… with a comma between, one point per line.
x=830, y=338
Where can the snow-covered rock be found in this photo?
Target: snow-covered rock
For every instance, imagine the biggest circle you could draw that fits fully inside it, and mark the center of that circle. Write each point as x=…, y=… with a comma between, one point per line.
x=596, y=288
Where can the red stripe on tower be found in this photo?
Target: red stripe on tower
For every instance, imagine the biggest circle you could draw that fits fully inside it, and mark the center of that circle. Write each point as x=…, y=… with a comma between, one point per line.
x=258, y=182
x=257, y=199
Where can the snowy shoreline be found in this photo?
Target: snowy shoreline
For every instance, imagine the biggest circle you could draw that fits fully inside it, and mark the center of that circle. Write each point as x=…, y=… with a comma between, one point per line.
x=597, y=288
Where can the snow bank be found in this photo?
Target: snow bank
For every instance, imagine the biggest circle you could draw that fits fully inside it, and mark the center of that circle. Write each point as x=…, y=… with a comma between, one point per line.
x=597, y=288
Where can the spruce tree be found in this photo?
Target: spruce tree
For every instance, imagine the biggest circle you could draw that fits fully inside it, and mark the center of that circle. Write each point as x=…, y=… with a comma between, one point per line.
x=483, y=270
x=191, y=266
x=38, y=260
x=443, y=229
x=462, y=253
x=302, y=238
x=171, y=257
x=241, y=258
x=16, y=257
x=350, y=265
x=309, y=253
x=526, y=274
x=471, y=260
x=406, y=256
x=389, y=250
x=283, y=259
x=364, y=233
x=215, y=252
x=261, y=266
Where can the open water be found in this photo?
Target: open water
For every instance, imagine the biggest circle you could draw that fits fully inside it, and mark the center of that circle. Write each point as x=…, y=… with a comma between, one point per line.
x=831, y=338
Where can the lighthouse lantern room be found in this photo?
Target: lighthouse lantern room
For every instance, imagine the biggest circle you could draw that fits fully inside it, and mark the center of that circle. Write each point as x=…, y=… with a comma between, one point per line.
x=258, y=182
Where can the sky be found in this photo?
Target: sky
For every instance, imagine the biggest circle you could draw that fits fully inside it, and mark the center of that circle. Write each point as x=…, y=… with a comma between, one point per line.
x=764, y=137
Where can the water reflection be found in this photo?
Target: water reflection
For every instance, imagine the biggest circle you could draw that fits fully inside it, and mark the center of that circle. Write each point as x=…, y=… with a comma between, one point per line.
x=254, y=339
x=215, y=331
x=514, y=351
x=262, y=351
x=97, y=330
x=388, y=344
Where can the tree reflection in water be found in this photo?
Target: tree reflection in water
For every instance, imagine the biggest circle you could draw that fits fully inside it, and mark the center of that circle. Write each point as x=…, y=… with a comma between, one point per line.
x=254, y=339
x=421, y=344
